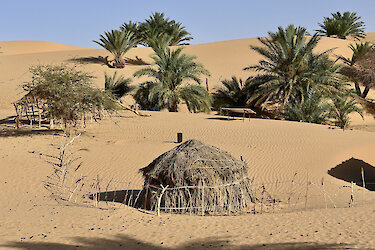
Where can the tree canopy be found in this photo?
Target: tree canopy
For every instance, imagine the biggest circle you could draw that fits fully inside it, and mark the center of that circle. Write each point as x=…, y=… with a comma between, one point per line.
x=171, y=73
x=158, y=26
x=343, y=25
x=68, y=93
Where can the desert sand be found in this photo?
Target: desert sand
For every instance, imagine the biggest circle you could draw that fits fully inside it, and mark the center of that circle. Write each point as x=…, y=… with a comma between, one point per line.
x=118, y=147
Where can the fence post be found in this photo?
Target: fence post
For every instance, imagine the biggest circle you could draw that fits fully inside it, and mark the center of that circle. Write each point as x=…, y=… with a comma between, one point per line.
x=351, y=203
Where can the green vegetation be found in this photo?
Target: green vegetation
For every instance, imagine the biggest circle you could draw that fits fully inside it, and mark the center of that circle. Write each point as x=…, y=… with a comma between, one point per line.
x=143, y=98
x=171, y=73
x=298, y=83
x=68, y=94
x=293, y=81
x=234, y=93
x=118, y=43
x=313, y=108
x=289, y=66
x=118, y=86
x=343, y=25
x=156, y=27
x=343, y=106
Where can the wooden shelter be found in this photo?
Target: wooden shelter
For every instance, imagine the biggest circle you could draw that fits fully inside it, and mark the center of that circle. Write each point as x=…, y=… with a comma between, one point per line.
x=32, y=108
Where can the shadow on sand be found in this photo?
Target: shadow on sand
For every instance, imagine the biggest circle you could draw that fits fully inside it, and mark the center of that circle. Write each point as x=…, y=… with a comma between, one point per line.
x=104, y=61
x=130, y=197
x=351, y=171
x=8, y=128
x=126, y=242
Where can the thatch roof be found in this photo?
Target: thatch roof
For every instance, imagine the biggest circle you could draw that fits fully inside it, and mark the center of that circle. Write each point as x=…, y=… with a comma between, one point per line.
x=197, y=178
x=193, y=162
x=363, y=70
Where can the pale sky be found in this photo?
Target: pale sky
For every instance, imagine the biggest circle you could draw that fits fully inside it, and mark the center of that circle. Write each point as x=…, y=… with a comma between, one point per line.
x=78, y=22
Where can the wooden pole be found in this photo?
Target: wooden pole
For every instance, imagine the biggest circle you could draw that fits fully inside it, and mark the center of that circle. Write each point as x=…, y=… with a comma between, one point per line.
x=363, y=182
x=161, y=195
x=351, y=203
x=202, y=198
x=17, y=116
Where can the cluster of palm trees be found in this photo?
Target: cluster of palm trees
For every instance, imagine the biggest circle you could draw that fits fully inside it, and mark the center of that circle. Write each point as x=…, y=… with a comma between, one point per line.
x=293, y=81
x=156, y=27
x=153, y=31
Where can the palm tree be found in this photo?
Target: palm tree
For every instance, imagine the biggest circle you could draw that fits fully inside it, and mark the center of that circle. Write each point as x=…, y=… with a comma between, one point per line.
x=352, y=72
x=342, y=107
x=171, y=72
x=178, y=33
x=118, y=43
x=314, y=108
x=232, y=94
x=132, y=27
x=142, y=97
x=343, y=25
x=118, y=86
x=158, y=26
x=289, y=65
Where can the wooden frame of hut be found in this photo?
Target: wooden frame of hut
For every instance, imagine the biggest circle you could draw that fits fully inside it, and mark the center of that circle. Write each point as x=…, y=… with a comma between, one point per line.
x=32, y=108
x=197, y=178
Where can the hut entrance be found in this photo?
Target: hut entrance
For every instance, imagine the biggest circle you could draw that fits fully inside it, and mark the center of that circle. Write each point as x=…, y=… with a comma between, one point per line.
x=197, y=178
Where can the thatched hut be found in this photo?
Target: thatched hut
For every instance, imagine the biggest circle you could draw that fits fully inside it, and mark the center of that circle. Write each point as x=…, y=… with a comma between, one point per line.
x=197, y=178
x=362, y=71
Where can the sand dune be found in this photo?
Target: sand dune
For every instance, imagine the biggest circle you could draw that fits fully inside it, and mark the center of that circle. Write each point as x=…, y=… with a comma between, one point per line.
x=30, y=47
x=117, y=148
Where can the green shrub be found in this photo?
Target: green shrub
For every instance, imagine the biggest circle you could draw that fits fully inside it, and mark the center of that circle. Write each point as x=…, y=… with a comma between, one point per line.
x=68, y=93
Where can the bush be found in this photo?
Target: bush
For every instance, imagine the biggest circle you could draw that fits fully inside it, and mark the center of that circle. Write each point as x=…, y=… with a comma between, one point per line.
x=68, y=94
x=313, y=108
x=342, y=107
x=118, y=86
x=142, y=94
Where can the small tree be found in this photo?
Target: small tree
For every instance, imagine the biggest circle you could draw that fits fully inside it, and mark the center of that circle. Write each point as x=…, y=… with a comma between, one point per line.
x=312, y=108
x=142, y=97
x=118, y=43
x=118, y=86
x=68, y=94
x=342, y=107
x=232, y=94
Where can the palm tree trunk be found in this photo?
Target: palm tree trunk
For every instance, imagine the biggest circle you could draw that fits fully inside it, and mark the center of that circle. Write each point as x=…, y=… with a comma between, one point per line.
x=357, y=89
x=365, y=91
x=173, y=107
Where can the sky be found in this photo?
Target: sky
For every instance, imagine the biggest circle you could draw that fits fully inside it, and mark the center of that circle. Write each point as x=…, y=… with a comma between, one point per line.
x=78, y=22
